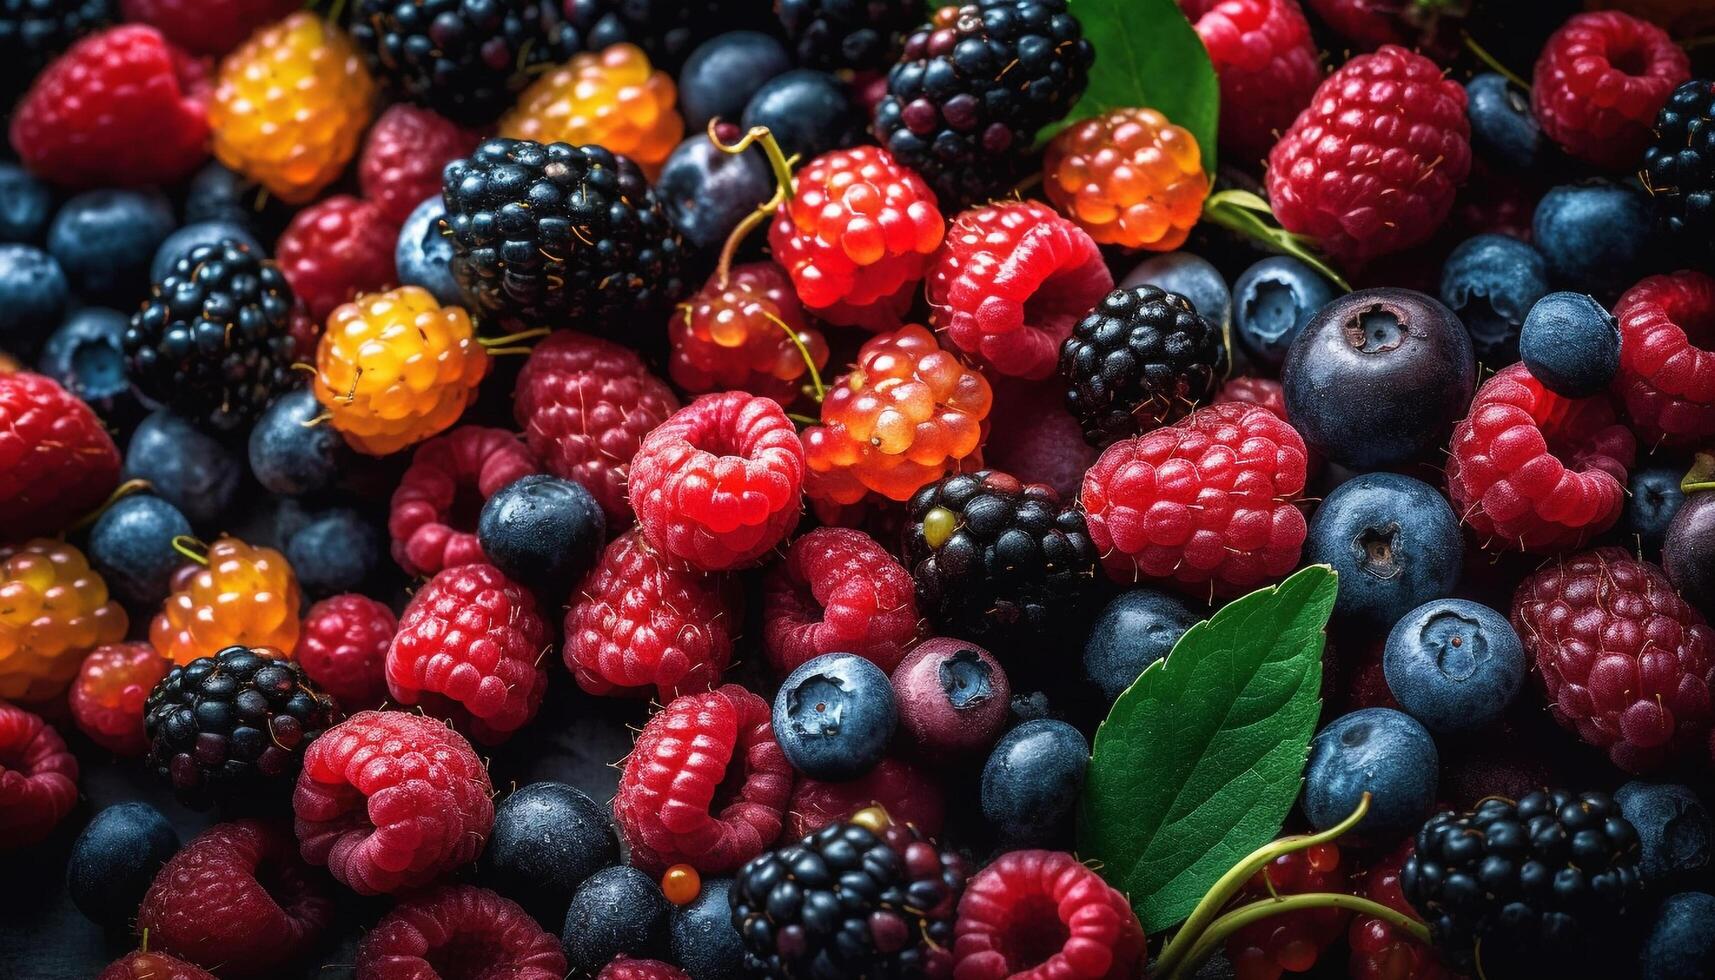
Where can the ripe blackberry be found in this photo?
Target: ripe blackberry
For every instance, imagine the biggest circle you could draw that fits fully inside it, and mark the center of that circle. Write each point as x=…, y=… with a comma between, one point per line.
x=858, y=34
x=33, y=32
x=234, y=723
x=552, y=235
x=212, y=341
x=1679, y=166
x=1142, y=358
x=965, y=100
x=668, y=30
x=1521, y=889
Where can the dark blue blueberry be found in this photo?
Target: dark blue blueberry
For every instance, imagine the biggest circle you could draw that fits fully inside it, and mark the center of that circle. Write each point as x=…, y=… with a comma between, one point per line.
x=1571, y=344
x=1652, y=498
x=615, y=911
x=1454, y=665
x=1676, y=831
x=1502, y=127
x=1272, y=301
x=1593, y=235
x=809, y=112
x=187, y=468
x=115, y=859
x=547, y=839
x=1380, y=751
x=1681, y=943
x=706, y=192
x=1031, y=782
x=179, y=244
x=104, y=239
x=723, y=73
x=87, y=355
x=219, y=194
x=33, y=297
x=26, y=205
x=1394, y=541
x=703, y=940
x=337, y=551
x=293, y=458
x=1192, y=277
x=1135, y=630
x=131, y=545
x=423, y=255
x=834, y=715
x=543, y=531
x=1492, y=281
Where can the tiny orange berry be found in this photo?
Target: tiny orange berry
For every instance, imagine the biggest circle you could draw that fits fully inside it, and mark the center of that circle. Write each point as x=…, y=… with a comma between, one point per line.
x=681, y=884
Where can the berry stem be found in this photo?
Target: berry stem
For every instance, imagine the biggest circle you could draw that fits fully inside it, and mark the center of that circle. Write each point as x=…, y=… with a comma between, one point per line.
x=740, y=231
x=1251, y=217
x=191, y=548
x=119, y=493
x=1493, y=62
x=1244, y=915
x=1701, y=476
x=804, y=352
x=803, y=419
x=770, y=146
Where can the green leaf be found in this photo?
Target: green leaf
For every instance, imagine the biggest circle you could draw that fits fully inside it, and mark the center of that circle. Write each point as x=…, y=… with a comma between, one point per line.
x=1201, y=758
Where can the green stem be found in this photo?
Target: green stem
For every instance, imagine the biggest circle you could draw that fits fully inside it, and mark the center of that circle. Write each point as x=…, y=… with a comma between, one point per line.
x=804, y=352
x=770, y=146
x=1701, y=476
x=191, y=548
x=1250, y=216
x=1245, y=915
x=1494, y=63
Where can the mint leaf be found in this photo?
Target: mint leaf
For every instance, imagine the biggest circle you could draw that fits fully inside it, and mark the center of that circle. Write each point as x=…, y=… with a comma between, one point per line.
x=1201, y=758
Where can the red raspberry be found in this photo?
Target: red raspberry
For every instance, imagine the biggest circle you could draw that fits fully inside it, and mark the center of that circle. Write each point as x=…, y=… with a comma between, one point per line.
x=56, y=459
x=207, y=26
x=335, y=249
x=390, y=800
x=1599, y=82
x=1209, y=501
x=343, y=647
x=1033, y=437
x=152, y=966
x=38, y=777
x=1532, y=470
x=1380, y=950
x=1009, y=282
x=1427, y=25
x=469, y=647
x=585, y=405
x=857, y=236
x=701, y=752
x=237, y=898
x=642, y=623
x=738, y=335
x=403, y=157
x=626, y=968
x=1043, y=915
x=837, y=591
x=432, y=518
x=909, y=795
x=1626, y=662
x=1268, y=67
x=459, y=931
x=1265, y=392
x=720, y=483
x=1372, y=166
x=121, y=107
x=107, y=697
x=1291, y=942
x=1667, y=360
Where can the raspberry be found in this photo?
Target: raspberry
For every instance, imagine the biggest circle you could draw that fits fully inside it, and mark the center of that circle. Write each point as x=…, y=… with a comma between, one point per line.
x=1627, y=663
x=432, y=518
x=38, y=777
x=1265, y=392
x=121, y=107
x=153, y=966
x=1533, y=470
x=1129, y=178
x=626, y=968
x=1209, y=501
x=702, y=752
x=856, y=236
x=908, y=794
x=1291, y=942
x=737, y=334
x=719, y=484
x=207, y=26
x=1667, y=359
x=343, y=647
x=641, y=622
x=53, y=608
x=1371, y=167
x=107, y=697
x=1379, y=949
x=1033, y=437
x=397, y=367
x=906, y=415
x=612, y=98
x=585, y=405
x=403, y=157
x=242, y=596
x=236, y=898
x=1599, y=82
x=470, y=647
x=335, y=250
x=56, y=459
x=459, y=931
x=1009, y=281
x=1041, y=915
x=389, y=801
x=837, y=591
x=1268, y=67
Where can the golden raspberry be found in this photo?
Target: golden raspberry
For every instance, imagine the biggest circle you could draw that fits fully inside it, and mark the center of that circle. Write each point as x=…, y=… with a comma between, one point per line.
x=611, y=98
x=291, y=105
x=242, y=596
x=1128, y=178
x=53, y=610
x=395, y=368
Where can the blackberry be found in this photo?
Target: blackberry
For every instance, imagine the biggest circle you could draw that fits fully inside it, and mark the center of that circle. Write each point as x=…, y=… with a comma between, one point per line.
x=1142, y=358
x=1679, y=167
x=212, y=341
x=1521, y=889
x=667, y=30
x=233, y=724
x=858, y=34
x=973, y=87
x=869, y=898
x=34, y=32
x=996, y=558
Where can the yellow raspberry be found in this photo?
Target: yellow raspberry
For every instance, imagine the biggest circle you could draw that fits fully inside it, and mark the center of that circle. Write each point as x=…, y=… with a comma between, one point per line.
x=395, y=368
x=243, y=596
x=290, y=106
x=1129, y=178
x=611, y=98
x=53, y=610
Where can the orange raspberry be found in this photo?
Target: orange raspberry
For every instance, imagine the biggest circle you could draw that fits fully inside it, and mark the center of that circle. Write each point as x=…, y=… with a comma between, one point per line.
x=395, y=368
x=243, y=596
x=1128, y=178
x=108, y=696
x=612, y=98
x=739, y=336
x=53, y=609
x=290, y=106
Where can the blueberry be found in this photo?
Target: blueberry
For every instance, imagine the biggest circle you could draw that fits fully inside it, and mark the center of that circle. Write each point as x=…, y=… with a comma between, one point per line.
x=1031, y=782
x=543, y=531
x=1502, y=126
x=1593, y=235
x=1681, y=943
x=1652, y=499
x=703, y=940
x=1135, y=630
x=1454, y=665
x=218, y=194
x=952, y=698
x=834, y=715
x=423, y=255
x=131, y=545
x=1395, y=542
x=1571, y=344
x=115, y=859
x=33, y=297
x=26, y=205
x=179, y=244
x=1492, y=281
x=1378, y=377
x=706, y=192
x=1376, y=750
x=809, y=112
x=104, y=239
x=1272, y=301
x=1675, y=829
x=548, y=838
x=87, y=355
x=293, y=458
x=337, y=551
x=187, y=468
x=1192, y=277
x=723, y=73
x=1688, y=551
x=616, y=911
